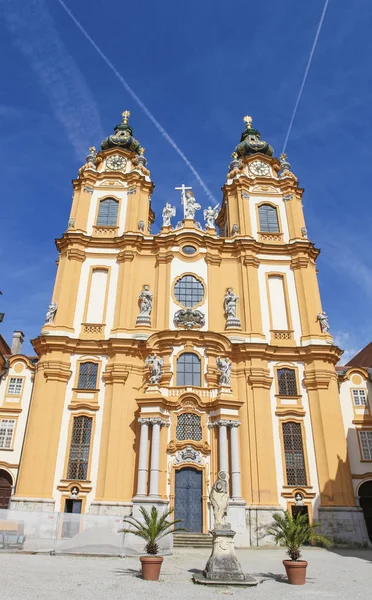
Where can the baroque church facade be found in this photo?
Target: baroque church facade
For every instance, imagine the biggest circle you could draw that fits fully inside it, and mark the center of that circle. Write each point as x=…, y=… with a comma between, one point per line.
x=169, y=357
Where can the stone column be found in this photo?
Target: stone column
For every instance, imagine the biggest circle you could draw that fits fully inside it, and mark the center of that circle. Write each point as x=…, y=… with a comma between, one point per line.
x=142, y=463
x=155, y=457
x=235, y=461
x=223, y=454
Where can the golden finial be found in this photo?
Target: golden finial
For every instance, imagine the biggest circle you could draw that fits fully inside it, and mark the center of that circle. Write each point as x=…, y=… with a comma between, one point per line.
x=125, y=115
x=248, y=121
x=142, y=151
x=92, y=150
x=283, y=156
x=234, y=155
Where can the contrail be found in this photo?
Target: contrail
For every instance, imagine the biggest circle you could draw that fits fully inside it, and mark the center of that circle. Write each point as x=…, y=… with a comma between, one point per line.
x=138, y=101
x=306, y=74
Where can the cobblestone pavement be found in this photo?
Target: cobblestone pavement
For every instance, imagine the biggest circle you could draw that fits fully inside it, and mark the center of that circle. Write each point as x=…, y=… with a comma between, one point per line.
x=336, y=574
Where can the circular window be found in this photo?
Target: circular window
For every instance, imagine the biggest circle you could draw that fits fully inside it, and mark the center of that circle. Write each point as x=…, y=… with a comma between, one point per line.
x=189, y=250
x=189, y=291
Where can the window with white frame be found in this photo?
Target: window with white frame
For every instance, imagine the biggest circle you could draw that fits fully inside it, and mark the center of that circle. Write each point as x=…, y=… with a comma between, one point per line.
x=15, y=386
x=360, y=397
x=6, y=432
x=366, y=444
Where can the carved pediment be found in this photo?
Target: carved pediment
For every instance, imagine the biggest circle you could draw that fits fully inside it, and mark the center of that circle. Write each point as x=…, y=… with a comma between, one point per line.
x=111, y=183
x=267, y=189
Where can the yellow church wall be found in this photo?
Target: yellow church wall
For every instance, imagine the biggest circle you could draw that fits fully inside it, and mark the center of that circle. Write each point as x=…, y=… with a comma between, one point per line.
x=36, y=476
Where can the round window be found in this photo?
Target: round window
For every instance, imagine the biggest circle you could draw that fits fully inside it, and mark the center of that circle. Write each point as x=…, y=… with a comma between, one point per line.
x=189, y=291
x=189, y=250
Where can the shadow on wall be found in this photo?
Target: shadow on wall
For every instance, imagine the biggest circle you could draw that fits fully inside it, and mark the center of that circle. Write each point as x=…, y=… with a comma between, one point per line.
x=342, y=521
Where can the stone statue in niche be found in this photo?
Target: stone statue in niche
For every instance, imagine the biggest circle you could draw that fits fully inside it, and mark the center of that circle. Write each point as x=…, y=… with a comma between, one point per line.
x=219, y=498
x=324, y=323
x=155, y=366
x=169, y=211
x=224, y=366
x=141, y=225
x=230, y=305
x=145, y=301
x=210, y=215
x=52, y=309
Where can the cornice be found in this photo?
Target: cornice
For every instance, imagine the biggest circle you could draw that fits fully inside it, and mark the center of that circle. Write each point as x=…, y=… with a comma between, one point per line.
x=55, y=370
x=319, y=379
x=259, y=377
x=115, y=374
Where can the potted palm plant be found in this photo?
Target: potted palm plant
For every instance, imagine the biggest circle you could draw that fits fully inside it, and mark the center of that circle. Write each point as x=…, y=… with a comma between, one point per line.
x=151, y=529
x=294, y=532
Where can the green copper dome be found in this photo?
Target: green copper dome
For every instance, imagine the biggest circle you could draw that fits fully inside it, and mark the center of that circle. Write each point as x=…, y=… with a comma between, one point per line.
x=250, y=142
x=123, y=137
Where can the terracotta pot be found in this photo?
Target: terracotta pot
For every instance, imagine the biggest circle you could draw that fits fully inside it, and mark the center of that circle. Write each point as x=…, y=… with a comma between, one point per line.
x=296, y=571
x=151, y=566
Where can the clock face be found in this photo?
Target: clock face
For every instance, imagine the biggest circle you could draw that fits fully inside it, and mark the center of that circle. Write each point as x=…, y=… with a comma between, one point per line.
x=116, y=162
x=258, y=167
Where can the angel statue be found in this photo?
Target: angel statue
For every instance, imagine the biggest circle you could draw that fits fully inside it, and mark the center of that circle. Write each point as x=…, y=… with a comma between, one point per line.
x=189, y=205
x=324, y=323
x=155, y=366
x=224, y=367
x=210, y=215
x=219, y=498
x=52, y=309
x=168, y=212
x=145, y=298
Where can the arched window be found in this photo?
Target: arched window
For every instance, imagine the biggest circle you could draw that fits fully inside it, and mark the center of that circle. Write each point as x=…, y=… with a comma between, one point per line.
x=79, y=448
x=294, y=454
x=188, y=370
x=189, y=427
x=108, y=212
x=6, y=483
x=287, y=384
x=88, y=376
x=268, y=217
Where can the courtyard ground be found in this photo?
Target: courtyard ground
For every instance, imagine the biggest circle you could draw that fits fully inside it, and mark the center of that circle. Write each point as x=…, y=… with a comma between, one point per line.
x=338, y=574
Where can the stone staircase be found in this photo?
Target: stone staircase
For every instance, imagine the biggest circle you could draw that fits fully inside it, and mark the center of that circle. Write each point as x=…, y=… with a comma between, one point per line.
x=192, y=540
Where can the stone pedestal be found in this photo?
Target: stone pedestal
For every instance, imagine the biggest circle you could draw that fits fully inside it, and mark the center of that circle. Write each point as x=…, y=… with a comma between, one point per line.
x=222, y=564
x=223, y=567
x=143, y=320
x=233, y=323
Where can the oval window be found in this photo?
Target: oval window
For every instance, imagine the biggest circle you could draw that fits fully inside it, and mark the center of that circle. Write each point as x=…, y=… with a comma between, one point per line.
x=189, y=250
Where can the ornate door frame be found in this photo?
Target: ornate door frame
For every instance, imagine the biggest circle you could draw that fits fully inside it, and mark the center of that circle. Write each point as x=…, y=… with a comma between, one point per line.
x=189, y=457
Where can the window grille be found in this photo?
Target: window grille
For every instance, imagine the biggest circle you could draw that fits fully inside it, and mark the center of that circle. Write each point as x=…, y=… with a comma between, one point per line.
x=287, y=384
x=294, y=454
x=188, y=427
x=15, y=386
x=189, y=291
x=6, y=432
x=188, y=370
x=360, y=397
x=366, y=444
x=268, y=217
x=79, y=449
x=88, y=376
x=108, y=212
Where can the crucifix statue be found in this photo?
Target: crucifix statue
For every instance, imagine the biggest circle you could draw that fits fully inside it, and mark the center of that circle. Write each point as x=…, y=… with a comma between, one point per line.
x=188, y=202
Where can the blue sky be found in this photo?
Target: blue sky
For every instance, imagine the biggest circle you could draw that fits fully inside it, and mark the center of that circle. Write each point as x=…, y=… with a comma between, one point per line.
x=199, y=67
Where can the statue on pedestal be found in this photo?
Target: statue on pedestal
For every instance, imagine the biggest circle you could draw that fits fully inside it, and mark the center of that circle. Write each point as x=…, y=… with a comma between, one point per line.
x=52, y=309
x=219, y=498
x=210, y=215
x=145, y=300
x=155, y=365
x=230, y=305
x=224, y=367
x=324, y=323
x=168, y=212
